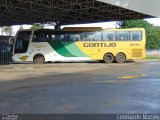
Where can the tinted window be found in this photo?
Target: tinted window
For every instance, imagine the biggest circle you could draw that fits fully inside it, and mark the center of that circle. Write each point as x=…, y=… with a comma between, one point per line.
x=136, y=35
x=22, y=41
x=58, y=36
x=82, y=36
x=79, y=36
x=123, y=36
x=40, y=36
x=93, y=36
x=109, y=36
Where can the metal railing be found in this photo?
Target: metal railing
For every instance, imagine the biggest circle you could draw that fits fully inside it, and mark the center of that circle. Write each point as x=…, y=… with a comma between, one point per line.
x=5, y=58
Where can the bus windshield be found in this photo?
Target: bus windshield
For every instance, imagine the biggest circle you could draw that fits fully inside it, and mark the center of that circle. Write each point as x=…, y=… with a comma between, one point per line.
x=22, y=41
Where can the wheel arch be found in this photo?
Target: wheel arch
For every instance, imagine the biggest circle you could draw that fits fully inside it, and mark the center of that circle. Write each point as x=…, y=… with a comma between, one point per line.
x=40, y=54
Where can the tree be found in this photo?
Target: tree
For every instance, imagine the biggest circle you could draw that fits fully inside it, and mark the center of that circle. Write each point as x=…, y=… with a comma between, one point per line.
x=152, y=32
x=37, y=26
x=8, y=30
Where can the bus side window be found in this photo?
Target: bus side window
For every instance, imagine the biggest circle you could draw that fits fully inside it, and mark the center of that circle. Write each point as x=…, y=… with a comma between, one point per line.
x=105, y=37
x=48, y=37
x=111, y=36
x=53, y=37
x=136, y=35
x=82, y=36
x=98, y=36
x=123, y=36
x=60, y=38
x=39, y=37
x=76, y=36
x=108, y=36
x=57, y=37
x=93, y=36
x=71, y=37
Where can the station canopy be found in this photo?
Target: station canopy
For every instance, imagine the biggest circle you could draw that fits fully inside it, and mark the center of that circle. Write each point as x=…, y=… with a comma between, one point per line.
x=64, y=12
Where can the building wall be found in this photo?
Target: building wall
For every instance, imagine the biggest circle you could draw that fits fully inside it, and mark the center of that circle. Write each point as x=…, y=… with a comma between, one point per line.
x=150, y=7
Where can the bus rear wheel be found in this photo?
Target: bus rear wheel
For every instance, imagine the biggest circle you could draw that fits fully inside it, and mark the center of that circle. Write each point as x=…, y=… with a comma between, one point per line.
x=108, y=58
x=38, y=59
x=120, y=58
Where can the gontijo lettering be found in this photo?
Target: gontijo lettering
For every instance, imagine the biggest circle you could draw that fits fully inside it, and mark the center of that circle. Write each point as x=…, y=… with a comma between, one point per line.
x=99, y=44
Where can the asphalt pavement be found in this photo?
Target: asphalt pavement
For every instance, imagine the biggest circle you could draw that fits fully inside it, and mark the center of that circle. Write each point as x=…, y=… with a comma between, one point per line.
x=77, y=88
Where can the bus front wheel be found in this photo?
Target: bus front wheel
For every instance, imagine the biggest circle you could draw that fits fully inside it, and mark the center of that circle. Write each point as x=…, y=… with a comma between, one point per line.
x=39, y=59
x=108, y=58
x=120, y=58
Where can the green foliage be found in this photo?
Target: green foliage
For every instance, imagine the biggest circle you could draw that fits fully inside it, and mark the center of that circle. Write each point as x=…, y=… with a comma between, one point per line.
x=37, y=26
x=152, y=32
x=152, y=58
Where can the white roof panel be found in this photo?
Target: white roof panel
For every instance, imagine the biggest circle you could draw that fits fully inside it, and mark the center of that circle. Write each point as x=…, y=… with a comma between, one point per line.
x=149, y=7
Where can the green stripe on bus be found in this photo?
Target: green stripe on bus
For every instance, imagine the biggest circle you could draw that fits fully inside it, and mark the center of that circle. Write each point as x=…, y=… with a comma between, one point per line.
x=74, y=49
x=61, y=49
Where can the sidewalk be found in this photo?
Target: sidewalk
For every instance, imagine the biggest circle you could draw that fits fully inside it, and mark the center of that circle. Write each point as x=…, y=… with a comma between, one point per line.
x=21, y=71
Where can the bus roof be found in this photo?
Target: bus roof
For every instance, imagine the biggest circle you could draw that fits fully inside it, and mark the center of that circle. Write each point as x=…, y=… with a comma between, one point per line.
x=126, y=29
x=85, y=29
x=82, y=29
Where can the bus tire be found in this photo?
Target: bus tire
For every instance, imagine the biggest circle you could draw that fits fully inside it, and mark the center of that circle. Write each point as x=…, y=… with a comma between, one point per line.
x=120, y=58
x=38, y=59
x=108, y=58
